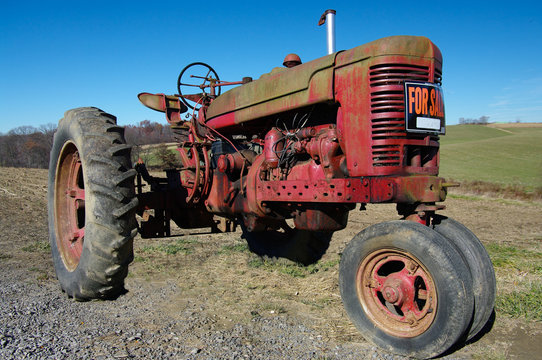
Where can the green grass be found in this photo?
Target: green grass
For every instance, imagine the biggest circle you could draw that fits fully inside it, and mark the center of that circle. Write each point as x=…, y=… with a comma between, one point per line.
x=458, y=134
x=526, y=303
x=516, y=300
x=509, y=257
x=511, y=156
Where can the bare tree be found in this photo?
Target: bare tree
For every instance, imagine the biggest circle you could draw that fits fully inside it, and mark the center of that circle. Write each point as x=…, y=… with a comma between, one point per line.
x=482, y=120
x=27, y=146
x=147, y=132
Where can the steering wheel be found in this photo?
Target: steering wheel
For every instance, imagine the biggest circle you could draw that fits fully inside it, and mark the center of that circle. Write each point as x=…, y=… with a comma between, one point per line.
x=197, y=75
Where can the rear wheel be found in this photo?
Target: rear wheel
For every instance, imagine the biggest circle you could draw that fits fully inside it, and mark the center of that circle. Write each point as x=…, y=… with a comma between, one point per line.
x=91, y=204
x=406, y=288
x=480, y=266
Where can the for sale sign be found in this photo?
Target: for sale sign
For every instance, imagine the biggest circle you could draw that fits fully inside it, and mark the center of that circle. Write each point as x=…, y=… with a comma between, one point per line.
x=424, y=108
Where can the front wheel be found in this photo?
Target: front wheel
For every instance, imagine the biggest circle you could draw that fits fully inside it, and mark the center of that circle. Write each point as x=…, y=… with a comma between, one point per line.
x=406, y=289
x=480, y=266
x=91, y=205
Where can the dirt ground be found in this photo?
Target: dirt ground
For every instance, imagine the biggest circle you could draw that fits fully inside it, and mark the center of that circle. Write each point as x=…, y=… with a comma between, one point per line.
x=216, y=275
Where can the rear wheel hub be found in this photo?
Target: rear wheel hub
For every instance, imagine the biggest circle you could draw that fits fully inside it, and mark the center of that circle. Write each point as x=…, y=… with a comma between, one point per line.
x=70, y=206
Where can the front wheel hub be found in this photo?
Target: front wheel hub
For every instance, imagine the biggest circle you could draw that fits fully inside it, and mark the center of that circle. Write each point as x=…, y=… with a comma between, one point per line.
x=397, y=292
x=394, y=291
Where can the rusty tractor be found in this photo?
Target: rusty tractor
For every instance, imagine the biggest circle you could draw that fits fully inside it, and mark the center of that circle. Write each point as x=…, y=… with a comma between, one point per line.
x=287, y=157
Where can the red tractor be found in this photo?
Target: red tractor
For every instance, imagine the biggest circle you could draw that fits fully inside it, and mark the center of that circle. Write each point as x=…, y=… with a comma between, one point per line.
x=287, y=157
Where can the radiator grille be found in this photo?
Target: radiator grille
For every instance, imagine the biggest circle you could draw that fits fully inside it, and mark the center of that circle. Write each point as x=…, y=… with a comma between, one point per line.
x=387, y=108
x=396, y=74
x=438, y=76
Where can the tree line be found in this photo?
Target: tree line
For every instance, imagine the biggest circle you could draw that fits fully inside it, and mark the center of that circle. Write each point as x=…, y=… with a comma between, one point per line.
x=482, y=120
x=29, y=146
x=147, y=133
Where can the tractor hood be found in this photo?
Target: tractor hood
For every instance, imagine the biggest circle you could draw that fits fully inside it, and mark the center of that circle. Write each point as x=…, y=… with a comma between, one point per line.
x=285, y=89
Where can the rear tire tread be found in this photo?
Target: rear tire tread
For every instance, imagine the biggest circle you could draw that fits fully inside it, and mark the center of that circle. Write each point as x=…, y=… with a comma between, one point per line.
x=126, y=209
x=108, y=177
x=120, y=149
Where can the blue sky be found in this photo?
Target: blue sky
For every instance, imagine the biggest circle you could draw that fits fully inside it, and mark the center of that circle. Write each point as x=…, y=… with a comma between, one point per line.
x=57, y=55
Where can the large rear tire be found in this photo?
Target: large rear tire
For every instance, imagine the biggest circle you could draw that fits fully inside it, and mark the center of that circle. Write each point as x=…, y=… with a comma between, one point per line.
x=91, y=204
x=480, y=266
x=406, y=288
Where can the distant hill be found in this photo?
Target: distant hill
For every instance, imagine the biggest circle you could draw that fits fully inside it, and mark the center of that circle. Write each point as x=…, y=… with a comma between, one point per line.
x=506, y=154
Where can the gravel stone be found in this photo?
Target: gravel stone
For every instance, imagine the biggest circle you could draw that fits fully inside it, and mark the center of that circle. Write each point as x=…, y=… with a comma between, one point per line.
x=39, y=322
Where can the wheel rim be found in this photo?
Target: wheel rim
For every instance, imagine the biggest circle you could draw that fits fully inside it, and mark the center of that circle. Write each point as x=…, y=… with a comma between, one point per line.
x=397, y=292
x=69, y=206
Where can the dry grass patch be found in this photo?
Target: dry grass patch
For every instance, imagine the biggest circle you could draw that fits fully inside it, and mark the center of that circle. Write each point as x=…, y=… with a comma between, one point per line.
x=509, y=191
x=234, y=285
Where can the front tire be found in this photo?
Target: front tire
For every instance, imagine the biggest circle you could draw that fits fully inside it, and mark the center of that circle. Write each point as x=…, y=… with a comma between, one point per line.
x=406, y=288
x=480, y=266
x=91, y=205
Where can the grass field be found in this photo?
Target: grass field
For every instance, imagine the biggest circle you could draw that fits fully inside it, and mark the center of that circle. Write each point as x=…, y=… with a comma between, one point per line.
x=510, y=156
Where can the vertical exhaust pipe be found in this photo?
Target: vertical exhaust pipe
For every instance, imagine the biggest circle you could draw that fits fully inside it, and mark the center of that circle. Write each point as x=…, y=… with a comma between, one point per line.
x=328, y=17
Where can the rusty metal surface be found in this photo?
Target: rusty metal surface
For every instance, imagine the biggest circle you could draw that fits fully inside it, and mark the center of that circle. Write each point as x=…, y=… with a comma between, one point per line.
x=280, y=90
x=69, y=206
x=353, y=190
x=370, y=120
x=356, y=150
x=397, y=292
x=309, y=83
x=168, y=104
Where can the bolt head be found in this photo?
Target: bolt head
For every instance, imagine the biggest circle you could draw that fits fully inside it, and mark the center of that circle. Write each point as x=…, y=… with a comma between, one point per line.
x=390, y=294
